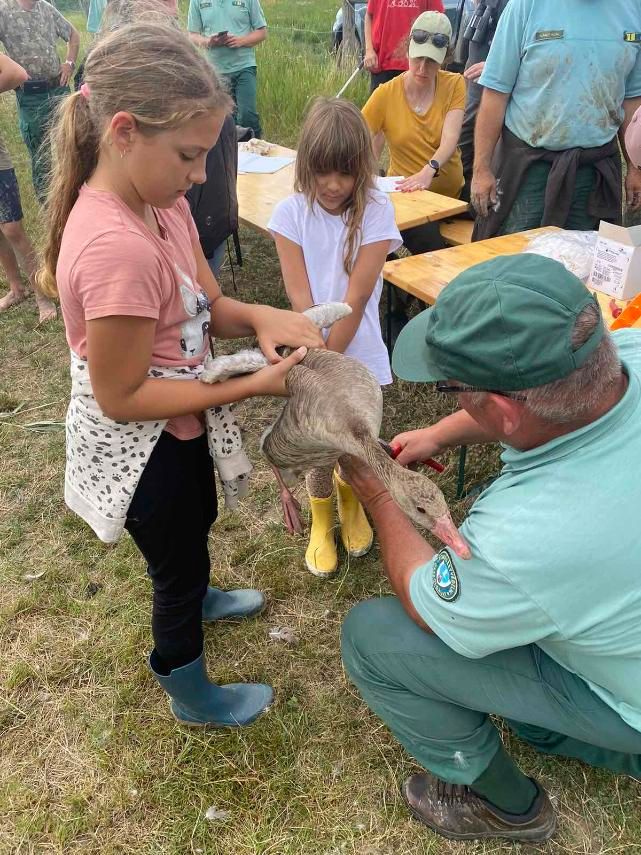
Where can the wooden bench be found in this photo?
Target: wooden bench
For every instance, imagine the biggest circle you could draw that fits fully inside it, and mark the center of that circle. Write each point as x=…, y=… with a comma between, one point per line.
x=457, y=232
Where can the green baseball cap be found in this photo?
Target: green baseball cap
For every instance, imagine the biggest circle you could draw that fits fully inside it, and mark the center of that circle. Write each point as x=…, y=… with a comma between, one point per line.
x=504, y=324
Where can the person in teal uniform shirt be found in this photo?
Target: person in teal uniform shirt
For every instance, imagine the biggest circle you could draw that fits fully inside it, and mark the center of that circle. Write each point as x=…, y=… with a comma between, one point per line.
x=95, y=14
x=542, y=625
x=229, y=30
x=561, y=82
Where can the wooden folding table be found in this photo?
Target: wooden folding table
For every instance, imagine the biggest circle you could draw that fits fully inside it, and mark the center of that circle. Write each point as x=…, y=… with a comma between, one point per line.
x=258, y=194
x=426, y=275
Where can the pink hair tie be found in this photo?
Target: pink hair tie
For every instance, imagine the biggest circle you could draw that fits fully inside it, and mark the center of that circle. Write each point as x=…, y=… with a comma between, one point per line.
x=84, y=91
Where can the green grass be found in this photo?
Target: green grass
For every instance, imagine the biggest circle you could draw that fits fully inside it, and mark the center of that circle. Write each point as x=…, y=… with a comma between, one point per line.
x=298, y=65
x=90, y=759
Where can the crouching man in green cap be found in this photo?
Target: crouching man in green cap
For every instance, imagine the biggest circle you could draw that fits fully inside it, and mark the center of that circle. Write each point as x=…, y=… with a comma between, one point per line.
x=542, y=626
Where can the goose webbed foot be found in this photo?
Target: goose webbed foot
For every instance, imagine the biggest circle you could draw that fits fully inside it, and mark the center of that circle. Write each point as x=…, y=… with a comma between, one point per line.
x=290, y=505
x=291, y=512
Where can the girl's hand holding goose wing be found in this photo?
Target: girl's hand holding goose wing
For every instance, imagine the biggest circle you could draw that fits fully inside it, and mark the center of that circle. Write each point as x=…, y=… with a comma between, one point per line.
x=271, y=380
x=276, y=327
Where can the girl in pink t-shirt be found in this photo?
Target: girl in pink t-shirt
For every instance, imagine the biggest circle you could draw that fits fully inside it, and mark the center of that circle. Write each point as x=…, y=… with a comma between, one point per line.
x=139, y=303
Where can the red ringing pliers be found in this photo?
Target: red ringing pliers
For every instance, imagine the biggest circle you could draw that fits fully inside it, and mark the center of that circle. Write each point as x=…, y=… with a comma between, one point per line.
x=395, y=450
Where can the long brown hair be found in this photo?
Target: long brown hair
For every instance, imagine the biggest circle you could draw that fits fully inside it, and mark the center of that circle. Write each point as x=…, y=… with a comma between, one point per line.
x=335, y=138
x=147, y=69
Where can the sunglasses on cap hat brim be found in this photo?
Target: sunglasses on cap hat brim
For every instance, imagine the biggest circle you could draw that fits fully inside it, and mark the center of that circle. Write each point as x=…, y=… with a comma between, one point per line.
x=421, y=37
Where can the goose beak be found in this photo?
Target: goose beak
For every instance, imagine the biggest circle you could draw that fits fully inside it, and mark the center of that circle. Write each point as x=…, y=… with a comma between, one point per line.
x=446, y=531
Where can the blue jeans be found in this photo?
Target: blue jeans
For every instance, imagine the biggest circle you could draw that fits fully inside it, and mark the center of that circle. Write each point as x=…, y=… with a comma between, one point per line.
x=216, y=261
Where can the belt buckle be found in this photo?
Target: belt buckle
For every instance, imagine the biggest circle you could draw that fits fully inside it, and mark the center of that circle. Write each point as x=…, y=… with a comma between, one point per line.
x=35, y=87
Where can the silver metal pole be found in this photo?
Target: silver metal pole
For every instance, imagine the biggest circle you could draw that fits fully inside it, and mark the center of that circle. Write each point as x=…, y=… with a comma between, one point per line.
x=347, y=83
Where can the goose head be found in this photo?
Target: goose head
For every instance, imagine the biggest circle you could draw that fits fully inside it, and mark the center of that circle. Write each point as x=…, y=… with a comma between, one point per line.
x=424, y=503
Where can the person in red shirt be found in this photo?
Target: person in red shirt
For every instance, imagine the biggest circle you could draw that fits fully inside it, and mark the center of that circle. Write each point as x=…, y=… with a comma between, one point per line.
x=387, y=23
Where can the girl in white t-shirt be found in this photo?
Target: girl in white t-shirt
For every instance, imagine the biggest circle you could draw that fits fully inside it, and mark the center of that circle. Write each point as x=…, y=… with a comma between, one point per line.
x=332, y=237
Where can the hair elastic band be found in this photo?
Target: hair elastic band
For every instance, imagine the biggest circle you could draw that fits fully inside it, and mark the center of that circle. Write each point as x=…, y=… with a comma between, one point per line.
x=84, y=91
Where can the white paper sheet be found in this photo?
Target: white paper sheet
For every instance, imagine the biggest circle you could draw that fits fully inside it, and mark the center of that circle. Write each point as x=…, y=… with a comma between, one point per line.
x=261, y=164
x=610, y=266
x=388, y=183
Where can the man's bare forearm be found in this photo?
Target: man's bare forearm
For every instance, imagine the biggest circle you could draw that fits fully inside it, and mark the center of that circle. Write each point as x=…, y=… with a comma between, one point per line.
x=367, y=29
x=199, y=40
x=255, y=37
x=402, y=548
x=630, y=106
x=489, y=124
x=459, y=429
x=73, y=46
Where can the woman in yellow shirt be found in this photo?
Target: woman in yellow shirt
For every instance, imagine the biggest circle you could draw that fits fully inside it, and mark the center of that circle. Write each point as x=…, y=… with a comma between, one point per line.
x=420, y=114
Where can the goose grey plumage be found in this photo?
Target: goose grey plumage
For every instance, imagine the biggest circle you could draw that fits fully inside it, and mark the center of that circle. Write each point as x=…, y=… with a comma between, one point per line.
x=335, y=407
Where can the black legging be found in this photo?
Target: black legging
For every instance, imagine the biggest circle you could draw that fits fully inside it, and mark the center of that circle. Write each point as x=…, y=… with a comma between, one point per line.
x=169, y=518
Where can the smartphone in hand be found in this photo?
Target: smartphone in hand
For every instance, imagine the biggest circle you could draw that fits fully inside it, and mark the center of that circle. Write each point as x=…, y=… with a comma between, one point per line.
x=218, y=39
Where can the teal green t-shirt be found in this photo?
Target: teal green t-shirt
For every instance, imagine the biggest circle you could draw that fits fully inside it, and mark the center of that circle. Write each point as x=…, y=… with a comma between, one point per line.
x=567, y=65
x=238, y=17
x=556, y=555
x=94, y=16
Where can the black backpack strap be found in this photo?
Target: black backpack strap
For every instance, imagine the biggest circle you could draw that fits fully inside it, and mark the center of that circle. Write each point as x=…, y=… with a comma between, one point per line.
x=239, y=255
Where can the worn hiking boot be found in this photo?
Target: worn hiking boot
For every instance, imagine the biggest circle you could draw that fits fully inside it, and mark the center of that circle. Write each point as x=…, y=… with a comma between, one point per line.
x=456, y=812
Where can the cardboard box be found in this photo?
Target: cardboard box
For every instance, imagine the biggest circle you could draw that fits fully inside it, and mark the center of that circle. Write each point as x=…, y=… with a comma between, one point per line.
x=616, y=266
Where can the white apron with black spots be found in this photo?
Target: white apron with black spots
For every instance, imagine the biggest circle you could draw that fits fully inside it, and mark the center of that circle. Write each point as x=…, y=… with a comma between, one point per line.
x=105, y=458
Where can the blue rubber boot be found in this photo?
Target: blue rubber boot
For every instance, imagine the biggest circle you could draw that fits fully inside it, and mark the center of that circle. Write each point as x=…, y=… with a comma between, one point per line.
x=197, y=702
x=219, y=605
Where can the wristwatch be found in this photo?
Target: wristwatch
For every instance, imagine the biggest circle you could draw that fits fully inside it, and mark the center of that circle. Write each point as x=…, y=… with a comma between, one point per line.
x=70, y=62
x=436, y=166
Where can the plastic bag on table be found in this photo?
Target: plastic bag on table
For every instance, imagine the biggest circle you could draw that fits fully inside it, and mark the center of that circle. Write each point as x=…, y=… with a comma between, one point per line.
x=574, y=250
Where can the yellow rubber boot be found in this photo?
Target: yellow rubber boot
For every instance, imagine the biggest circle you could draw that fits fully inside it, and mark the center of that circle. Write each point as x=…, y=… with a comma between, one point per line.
x=356, y=532
x=320, y=556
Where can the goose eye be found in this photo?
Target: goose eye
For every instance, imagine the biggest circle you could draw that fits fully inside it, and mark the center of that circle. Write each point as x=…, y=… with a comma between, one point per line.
x=420, y=509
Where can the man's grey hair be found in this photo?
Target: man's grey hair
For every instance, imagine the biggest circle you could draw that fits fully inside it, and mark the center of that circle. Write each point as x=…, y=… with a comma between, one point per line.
x=575, y=396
